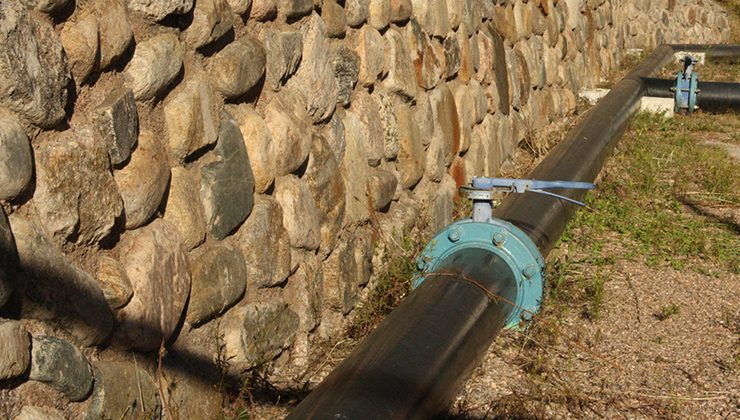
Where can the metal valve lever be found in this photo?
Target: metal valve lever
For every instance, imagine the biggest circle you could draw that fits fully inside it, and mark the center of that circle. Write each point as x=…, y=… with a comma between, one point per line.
x=483, y=189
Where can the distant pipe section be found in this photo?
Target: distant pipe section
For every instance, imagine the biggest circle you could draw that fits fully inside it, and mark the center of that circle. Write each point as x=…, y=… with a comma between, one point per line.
x=710, y=97
x=480, y=277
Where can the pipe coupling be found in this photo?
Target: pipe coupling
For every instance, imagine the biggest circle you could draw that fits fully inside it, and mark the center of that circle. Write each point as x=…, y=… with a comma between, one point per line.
x=498, y=237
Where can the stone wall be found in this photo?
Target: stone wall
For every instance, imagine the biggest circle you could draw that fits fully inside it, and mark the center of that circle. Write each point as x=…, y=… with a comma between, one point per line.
x=213, y=177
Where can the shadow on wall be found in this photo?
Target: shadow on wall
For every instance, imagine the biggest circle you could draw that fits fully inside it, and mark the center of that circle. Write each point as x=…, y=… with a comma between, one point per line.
x=52, y=295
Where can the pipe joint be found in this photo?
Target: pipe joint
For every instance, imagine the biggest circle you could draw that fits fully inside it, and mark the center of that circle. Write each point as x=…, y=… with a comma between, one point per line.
x=498, y=237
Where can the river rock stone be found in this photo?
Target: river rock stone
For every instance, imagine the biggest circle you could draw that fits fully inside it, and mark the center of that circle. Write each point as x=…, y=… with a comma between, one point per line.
x=401, y=10
x=303, y=293
x=122, y=389
x=256, y=333
x=114, y=282
x=500, y=71
x=371, y=51
x=263, y=9
x=55, y=291
x=401, y=217
x=16, y=164
x=284, y=50
x=480, y=101
x=300, y=215
x=33, y=67
x=212, y=19
x=39, y=413
x=219, y=278
x=424, y=118
x=401, y=77
x=346, y=67
x=389, y=124
x=334, y=18
x=428, y=64
x=46, y=6
x=155, y=64
x=341, y=278
x=81, y=44
x=158, y=10
x=411, y=159
x=357, y=12
x=366, y=110
x=293, y=9
x=503, y=20
x=315, y=79
x=258, y=141
x=16, y=355
x=476, y=156
x=354, y=169
x=379, y=14
x=143, y=182
x=452, y=55
x=240, y=7
x=289, y=125
x=572, y=11
x=191, y=119
x=158, y=269
x=238, y=67
x=116, y=122
x=432, y=16
x=227, y=185
x=465, y=105
x=61, y=366
x=381, y=187
x=485, y=51
x=466, y=72
x=333, y=132
x=117, y=34
x=71, y=162
x=184, y=208
x=181, y=382
x=265, y=244
x=345, y=270
x=445, y=140
x=327, y=188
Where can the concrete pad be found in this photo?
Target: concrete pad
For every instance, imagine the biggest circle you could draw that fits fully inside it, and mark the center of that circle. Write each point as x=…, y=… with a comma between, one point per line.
x=592, y=96
x=658, y=105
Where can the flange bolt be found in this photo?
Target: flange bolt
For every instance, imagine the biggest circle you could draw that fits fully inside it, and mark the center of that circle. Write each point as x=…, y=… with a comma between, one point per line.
x=499, y=237
x=530, y=271
x=454, y=234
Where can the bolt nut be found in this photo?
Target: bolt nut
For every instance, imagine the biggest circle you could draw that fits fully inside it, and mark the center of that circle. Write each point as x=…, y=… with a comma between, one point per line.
x=499, y=237
x=530, y=271
x=454, y=234
x=421, y=265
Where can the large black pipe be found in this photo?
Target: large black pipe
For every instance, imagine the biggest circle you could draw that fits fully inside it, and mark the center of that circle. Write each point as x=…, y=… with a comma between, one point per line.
x=412, y=365
x=714, y=52
x=579, y=157
x=710, y=97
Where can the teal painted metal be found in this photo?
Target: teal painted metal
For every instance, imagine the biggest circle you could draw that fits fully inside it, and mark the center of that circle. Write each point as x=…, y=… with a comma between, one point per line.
x=687, y=87
x=498, y=237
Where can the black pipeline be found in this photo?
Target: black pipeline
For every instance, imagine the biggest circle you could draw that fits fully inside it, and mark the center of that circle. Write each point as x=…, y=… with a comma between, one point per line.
x=414, y=363
x=711, y=96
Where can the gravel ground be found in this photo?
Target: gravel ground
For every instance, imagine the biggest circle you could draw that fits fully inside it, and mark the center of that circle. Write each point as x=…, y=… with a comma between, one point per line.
x=633, y=362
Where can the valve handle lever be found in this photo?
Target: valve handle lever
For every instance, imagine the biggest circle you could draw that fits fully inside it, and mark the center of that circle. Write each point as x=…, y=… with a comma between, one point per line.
x=482, y=187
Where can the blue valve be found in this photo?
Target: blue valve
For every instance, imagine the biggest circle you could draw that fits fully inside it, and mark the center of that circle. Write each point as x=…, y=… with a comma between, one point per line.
x=686, y=89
